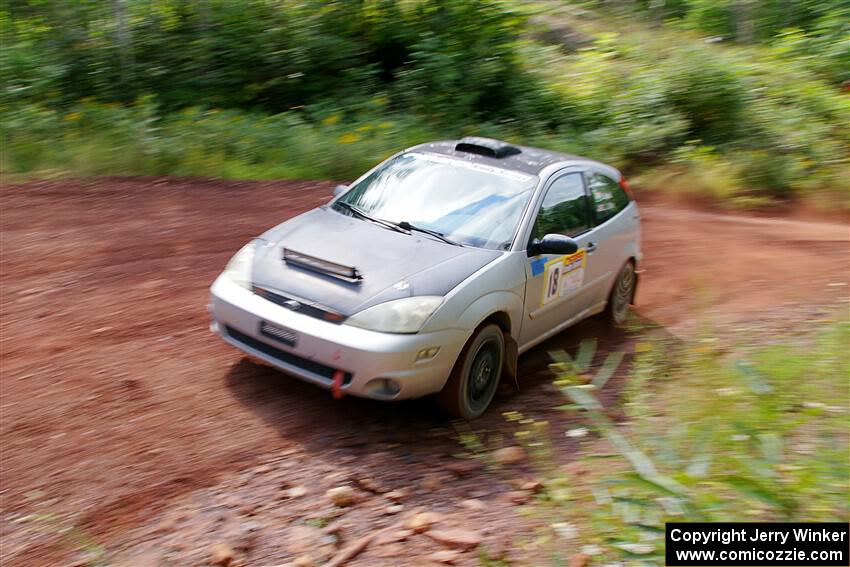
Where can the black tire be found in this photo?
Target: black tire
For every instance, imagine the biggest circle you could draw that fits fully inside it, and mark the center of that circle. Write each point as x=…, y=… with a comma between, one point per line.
x=476, y=374
x=621, y=296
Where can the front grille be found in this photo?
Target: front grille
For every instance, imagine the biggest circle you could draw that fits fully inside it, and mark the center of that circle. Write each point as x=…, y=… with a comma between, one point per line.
x=306, y=309
x=311, y=366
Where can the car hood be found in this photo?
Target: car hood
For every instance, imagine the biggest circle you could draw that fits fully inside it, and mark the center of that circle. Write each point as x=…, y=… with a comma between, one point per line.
x=391, y=265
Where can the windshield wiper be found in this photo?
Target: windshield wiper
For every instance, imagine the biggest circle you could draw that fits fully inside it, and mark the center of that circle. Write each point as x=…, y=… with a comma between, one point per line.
x=404, y=227
x=364, y=215
x=438, y=235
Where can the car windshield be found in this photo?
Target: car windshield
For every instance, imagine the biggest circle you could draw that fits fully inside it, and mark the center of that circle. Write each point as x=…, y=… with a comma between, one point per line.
x=468, y=203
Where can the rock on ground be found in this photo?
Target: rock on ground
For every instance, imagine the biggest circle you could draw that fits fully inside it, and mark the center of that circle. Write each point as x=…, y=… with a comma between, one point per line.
x=422, y=521
x=509, y=455
x=455, y=537
x=221, y=554
x=342, y=495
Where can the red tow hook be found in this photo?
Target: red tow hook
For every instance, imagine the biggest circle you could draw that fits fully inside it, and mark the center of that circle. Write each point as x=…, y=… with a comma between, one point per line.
x=336, y=389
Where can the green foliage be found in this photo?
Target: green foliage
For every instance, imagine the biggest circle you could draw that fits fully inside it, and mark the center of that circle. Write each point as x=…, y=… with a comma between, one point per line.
x=265, y=55
x=463, y=61
x=772, y=125
x=267, y=88
x=826, y=51
x=715, y=18
x=815, y=30
x=720, y=433
x=709, y=96
x=109, y=139
x=699, y=173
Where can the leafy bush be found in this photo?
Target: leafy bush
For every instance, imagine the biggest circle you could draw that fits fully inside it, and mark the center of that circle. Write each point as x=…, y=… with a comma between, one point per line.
x=292, y=88
x=826, y=53
x=766, y=437
x=815, y=30
x=709, y=96
x=449, y=57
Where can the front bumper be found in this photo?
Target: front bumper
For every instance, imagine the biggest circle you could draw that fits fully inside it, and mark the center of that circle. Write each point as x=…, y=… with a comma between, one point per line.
x=322, y=348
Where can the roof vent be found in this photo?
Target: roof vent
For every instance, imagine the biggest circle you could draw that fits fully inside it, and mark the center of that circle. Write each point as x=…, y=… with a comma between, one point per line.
x=486, y=147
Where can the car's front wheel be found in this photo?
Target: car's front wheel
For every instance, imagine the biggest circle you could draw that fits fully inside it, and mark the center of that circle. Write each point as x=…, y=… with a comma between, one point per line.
x=475, y=377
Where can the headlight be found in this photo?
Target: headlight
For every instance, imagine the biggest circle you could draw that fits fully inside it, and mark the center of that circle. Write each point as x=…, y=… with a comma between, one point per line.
x=400, y=316
x=238, y=269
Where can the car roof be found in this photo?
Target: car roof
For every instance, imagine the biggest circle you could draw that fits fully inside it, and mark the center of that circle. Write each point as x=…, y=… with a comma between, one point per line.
x=527, y=159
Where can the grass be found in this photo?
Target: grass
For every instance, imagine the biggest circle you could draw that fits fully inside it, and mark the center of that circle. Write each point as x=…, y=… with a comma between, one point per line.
x=42, y=521
x=102, y=139
x=714, y=430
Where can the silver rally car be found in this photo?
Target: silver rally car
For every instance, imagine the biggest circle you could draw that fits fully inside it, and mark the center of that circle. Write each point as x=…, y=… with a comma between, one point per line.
x=432, y=272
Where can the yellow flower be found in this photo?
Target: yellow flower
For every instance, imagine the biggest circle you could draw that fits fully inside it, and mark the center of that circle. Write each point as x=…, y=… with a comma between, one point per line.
x=73, y=117
x=385, y=125
x=331, y=120
x=349, y=138
x=365, y=128
x=643, y=347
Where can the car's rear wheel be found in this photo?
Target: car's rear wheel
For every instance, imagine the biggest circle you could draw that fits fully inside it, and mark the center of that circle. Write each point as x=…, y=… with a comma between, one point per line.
x=622, y=295
x=475, y=377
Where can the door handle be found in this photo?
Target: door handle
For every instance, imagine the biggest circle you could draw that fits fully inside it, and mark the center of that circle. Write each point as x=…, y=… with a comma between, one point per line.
x=591, y=246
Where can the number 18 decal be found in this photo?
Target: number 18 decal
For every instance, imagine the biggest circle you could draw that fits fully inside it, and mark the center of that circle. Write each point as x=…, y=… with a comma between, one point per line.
x=564, y=275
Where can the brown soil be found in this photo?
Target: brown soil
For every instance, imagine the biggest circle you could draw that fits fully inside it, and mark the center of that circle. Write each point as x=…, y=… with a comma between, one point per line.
x=119, y=407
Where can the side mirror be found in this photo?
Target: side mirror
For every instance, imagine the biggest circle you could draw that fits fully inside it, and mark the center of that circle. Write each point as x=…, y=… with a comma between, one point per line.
x=553, y=244
x=340, y=189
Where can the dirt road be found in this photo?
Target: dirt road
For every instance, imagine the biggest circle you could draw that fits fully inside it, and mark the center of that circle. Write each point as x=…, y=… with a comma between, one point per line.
x=117, y=402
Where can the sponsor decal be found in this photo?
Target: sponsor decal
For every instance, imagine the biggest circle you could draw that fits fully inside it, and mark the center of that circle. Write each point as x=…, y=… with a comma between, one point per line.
x=538, y=266
x=564, y=276
x=506, y=173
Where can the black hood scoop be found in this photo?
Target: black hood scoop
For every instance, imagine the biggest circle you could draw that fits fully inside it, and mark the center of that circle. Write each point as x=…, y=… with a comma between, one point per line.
x=348, y=274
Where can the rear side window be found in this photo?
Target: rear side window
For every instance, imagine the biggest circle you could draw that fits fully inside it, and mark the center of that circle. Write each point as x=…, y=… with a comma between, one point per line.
x=564, y=209
x=608, y=197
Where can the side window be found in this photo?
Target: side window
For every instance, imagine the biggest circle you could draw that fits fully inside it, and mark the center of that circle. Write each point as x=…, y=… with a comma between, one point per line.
x=564, y=209
x=608, y=197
